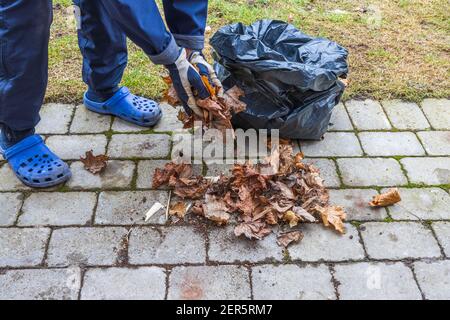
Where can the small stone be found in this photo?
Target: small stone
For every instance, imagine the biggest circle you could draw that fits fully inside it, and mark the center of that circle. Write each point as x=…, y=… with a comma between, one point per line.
x=367, y=115
x=399, y=240
x=209, y=283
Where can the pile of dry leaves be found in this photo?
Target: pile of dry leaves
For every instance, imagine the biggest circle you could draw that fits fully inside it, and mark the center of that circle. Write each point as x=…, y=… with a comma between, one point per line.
x=281, y=191
x=214, y=112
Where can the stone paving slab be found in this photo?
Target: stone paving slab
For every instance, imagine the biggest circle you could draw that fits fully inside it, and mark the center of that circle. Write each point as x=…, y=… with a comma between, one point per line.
x=291, y=282
x=400, y=240
x=438, y=113
x=76, y=146
x=139, y=146
x=340, y=121
x=85, y=121
x=39, y=284
x=22, y=247
x=391, y=144
x=10, y=206
x=225, y=247
x=421, y=203
x=376, y=281
x=442, y=230
x=356, y=204
x=322, y=244
x=171, y=245
x=434, y=279
x=129, y=207
x=436, y=143
x=334, y=144
x=366, y=172
x=169, y=122
x=145, y=283
x=55, y=118
x=85, y=246
x=58, y=209
x=405, y=115
x=367, y=115
x=430, y=171
x=209, y=283
x=118, y=174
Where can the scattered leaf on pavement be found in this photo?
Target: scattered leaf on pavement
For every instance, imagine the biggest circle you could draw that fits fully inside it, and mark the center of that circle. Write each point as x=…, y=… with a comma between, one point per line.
x=333, y=216
x=94, y=164
x=388, y=198
x=285, y=239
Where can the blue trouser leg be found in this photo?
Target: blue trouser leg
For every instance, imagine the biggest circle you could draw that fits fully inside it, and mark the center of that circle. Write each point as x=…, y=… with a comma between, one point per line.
x=103, y=28
x=187, y=21
x=24, y=36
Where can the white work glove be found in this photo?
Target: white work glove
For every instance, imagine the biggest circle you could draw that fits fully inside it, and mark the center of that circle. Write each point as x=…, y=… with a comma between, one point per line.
x=185, y=79
x=197, y=59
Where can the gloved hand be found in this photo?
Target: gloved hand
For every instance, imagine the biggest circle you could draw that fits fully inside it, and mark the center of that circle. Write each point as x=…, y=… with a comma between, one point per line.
x=197, y=59
x=185, y=78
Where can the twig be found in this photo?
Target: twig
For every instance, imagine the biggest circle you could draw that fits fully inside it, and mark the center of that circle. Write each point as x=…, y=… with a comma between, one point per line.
x=168, y=205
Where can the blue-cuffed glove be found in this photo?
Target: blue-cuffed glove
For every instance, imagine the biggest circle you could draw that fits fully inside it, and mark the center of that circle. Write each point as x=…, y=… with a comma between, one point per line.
x=197, y=59
x=185, y=79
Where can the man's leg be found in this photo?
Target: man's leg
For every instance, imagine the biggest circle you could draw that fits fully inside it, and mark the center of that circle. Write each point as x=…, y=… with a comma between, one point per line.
x=24, y=36
x=102, y=41
x=187, y=22
x=104, y=49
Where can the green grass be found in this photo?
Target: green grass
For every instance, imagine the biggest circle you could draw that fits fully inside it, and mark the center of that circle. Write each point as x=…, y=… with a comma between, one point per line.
x=398, y=48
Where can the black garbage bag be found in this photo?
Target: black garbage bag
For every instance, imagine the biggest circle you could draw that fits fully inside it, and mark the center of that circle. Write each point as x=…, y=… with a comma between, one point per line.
x=291, y=80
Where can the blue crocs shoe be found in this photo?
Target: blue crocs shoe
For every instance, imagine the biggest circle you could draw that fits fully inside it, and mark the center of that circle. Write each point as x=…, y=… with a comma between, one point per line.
x=35, y=165
x=127, y=106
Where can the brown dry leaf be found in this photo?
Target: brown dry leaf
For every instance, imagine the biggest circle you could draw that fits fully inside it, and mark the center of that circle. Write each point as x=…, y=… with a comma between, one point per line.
x=215, y=210
x=271, y=218
x=303, y=214
x=231, y=99
x=291, y=218
x=334, y=216
x=285, y=239
x=94, y=164
x=388, y=198
x=252, y=230
x=162, y=176
x=178, y=209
